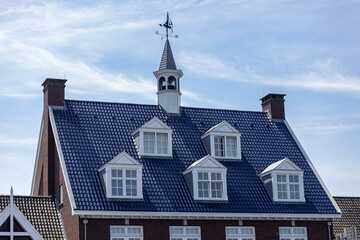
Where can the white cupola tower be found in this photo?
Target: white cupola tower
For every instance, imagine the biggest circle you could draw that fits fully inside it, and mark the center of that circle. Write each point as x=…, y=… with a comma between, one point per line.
x=168, y=77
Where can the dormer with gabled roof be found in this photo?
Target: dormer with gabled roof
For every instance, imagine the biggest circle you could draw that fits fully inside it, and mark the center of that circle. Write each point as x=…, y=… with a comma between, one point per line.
x=206, y=179
x=284, y=181
x=222, y=141
x=153, y=139
x=121, y=177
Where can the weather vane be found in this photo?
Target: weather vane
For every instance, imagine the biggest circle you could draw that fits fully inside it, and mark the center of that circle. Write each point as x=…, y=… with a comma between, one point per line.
x=167, y=25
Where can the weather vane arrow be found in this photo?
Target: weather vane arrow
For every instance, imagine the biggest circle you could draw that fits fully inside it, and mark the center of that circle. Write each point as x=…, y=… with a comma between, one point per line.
x=168, y=25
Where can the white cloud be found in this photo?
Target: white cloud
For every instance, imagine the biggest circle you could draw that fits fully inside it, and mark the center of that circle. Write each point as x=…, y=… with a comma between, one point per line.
x=324, y=75
x=9, y=141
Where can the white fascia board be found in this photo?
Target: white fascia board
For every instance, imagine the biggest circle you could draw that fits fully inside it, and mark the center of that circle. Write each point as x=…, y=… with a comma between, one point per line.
x=205, y=215
x=62, y=160
x=144, y=128
x=205, y=169
x=37, y=168
x=26, y=224
x=313, y=168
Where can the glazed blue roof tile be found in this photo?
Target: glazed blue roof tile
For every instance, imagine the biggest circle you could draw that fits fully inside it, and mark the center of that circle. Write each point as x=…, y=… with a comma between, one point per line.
x=92, y=133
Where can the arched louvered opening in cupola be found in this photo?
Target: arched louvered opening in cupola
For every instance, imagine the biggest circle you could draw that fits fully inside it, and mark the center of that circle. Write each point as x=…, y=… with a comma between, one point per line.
x=162, y=84
x=171, y=82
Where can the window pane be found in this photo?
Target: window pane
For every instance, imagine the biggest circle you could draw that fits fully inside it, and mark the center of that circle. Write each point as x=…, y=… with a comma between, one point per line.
x=281, y=178
x=131, y=188
x=216, y=176
x=231, y=146
x=161, y=141
x=219, y=146
x=293, y=178
x=203, y=176
x=216, y=189
x=130, y=173
x=282, y=191
x=294, y=191
x=203, y=188
x=149, y=142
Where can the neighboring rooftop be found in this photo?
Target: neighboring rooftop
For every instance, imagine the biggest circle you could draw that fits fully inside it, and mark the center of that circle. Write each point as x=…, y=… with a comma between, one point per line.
x=41, y=212
x=350, y=207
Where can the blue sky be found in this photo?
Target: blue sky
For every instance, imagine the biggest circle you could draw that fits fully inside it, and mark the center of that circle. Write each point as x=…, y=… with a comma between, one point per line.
x=231, y=52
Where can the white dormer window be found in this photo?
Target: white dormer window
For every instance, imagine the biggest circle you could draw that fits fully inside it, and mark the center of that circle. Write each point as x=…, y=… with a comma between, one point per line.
x=206, y=179
x=222, y=141
x=284, y=181
x=154, y=138
x=122, y=177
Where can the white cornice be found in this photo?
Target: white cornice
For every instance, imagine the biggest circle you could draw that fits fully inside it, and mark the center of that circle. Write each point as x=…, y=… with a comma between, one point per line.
x=205, y=215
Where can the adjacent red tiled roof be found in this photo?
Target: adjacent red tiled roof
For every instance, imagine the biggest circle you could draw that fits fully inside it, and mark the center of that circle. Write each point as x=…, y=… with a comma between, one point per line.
x=41, y=212
x=350, y=207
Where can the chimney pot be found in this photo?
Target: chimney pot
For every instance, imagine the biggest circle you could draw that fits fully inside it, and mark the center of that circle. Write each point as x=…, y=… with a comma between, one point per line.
x=273, y=103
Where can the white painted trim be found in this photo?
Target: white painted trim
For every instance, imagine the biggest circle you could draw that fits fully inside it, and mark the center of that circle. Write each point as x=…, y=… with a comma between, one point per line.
x=204, y=215
x=239, y=235
x=126, y=234
x=62, y=160
x=184, y=235
x=113, y=162
x=313, y=167
x=300, y=175
x=36, y=173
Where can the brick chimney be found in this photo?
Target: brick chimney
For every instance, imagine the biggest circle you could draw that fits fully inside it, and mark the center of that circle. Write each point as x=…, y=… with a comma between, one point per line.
x=54, y=92
x=274, y=104
x=54, y=95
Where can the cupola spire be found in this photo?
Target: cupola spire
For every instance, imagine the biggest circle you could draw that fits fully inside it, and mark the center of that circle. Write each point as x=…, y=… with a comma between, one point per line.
x=168, y=75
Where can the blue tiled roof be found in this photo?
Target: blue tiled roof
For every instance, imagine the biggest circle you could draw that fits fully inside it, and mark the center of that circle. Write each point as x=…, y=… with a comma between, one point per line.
x=92, y=133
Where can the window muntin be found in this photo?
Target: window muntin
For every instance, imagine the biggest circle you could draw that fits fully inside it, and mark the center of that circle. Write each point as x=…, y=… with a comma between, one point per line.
x=185, y=233
x=288, y=187
x=155, y=143
x=126, y=232
x=292, y=233
x=124, y=179
x=149, y=142
x=240, y=233
x=225, y=146
x=210, y=185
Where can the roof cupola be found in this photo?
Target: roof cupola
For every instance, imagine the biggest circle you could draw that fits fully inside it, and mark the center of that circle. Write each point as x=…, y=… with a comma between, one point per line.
x=168, y=76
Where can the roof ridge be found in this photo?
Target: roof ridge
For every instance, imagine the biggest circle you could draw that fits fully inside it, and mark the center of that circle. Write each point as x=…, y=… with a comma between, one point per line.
x=155, y=105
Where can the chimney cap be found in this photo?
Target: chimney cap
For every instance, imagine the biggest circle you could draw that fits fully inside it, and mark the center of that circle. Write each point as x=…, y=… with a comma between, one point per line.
x=274, y=96
x=54, y=81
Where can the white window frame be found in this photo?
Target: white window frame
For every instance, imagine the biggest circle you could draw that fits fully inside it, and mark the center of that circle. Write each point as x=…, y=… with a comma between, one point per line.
x=210, y=180
x=184, y=235
x=240, y=235
x=195, y=175
x=138, y=169
x=293, y=235
x=156, y=133
x=300, y=175
x=126, y=235
x=161, y=128
x=225, y=136
x=223, y=129
x=61, y=194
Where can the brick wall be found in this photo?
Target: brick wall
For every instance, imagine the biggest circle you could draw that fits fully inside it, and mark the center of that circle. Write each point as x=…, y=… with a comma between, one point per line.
x=157, y=229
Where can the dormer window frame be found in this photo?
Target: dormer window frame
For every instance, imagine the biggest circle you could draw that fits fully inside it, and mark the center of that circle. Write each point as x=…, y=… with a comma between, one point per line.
x=283, y=177
x=162, y=129
x=288, y=183
x=198, y=169
x=123, y=163
x=214, y=133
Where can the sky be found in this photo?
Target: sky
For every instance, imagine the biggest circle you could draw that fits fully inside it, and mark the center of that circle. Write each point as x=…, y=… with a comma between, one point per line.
x=232, y=53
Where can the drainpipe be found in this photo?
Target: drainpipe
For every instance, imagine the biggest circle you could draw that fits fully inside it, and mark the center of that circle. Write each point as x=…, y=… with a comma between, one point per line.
x=85, y=221
x=329, y=225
